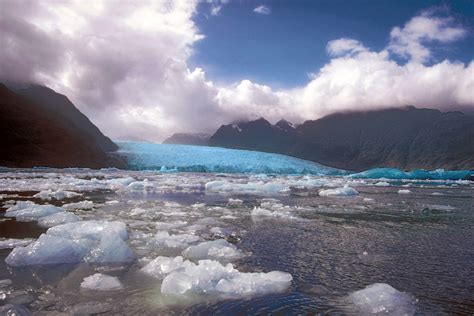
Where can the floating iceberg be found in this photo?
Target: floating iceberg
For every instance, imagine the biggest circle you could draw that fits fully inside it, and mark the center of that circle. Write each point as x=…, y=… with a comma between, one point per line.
x=13, y=242
x=58, y=195
x=58, y=219
x=163, y=239
x=211, y=277
x=403, y=191
x=345, y=191
x=83, y=205
x=101, y=282
x=220, y=250
x=161, y=266
x=29, y=211
x=382, y=299
x=87, y=241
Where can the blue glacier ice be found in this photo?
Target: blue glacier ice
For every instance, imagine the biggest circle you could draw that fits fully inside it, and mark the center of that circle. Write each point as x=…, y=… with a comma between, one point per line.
x=186, y=158
x=419, y=174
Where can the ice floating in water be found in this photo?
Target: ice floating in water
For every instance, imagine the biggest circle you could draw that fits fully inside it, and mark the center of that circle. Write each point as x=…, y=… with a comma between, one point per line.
x=13, y=242
x=382, y=184
x=58, y=219
x=420, y=174
x=58, y=195
x=248, y=188
x=163, y=239
x=211, y=277
x=220, y=250
x=263, y=212
x=404, y=191
x=345, y=191
x=161, y=266
x=29, y=211
x=382, y=299
x=101, y=282
x=83, y=205
x=185, y=158
x=88, y=241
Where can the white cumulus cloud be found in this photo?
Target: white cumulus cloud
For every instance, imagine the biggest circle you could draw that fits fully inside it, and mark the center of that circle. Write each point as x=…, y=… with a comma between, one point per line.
x=125, y=65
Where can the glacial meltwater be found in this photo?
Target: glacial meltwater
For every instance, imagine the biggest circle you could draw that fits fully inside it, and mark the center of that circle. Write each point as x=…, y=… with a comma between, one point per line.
x=209, y=231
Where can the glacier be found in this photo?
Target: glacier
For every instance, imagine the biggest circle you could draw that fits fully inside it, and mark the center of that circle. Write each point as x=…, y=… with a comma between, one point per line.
x=186, y=158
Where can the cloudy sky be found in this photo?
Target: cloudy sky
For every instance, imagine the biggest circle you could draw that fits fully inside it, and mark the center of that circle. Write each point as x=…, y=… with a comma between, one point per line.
x=146, y=69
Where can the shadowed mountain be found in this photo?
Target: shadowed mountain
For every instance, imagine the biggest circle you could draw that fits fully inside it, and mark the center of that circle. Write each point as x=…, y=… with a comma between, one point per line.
x=197, y=139
x=39, y=127
x=405, y=138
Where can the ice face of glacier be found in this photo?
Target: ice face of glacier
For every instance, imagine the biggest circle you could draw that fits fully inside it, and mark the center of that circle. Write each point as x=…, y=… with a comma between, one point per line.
x=382, y=299
x=394, y=173
x=220, y=250
x=174, y=158
x=87, y=241
x=101, y=282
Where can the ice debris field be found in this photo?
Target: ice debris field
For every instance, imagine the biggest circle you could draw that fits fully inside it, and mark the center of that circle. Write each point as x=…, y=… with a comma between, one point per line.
x=252, y=240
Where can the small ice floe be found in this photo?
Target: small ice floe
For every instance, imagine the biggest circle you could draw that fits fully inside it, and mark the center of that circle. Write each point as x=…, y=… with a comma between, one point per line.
x=58, y=219
x=166, y=226
x=13, y=242
x=87, y=241
x=257, y=187
x=161, y=266
x=5, y=283
x=404, y=191
x=101, y=282
x=83, y=205
x=437, y=193
x=163, y=239
x=235, y=202
x=344, y=191
x=381, y=299
x=29, y=211
x=211, y=277
x=368, y=200
x=220, y=250
x=263, y=212
x=382, y=184
x=58, y=195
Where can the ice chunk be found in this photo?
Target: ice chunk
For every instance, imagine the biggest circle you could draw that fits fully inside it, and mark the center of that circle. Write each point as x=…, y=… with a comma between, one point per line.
x=161, y=266
x=87, y=241
x=211, y=277
x=5, y=283
x=48, y=249
x=344, y=191
x=58, y=195
x=12, y=242
x=58, y=219
x=404, y=191
x=29, y=211
x=89, y=229
x=235, y=202
x=170, y=225
x=382, y=184
x=258, y=187
x=382, y=299
x=262, y=212
x=101, y=282
x=83, y=205
x=219, y=249
x=163, y=239
x=111, y=248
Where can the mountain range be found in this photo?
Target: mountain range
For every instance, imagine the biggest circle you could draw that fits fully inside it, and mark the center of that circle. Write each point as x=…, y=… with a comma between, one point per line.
x=405, y=138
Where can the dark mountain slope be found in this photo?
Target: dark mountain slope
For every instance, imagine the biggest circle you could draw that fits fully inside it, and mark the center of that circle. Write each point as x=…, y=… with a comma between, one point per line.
x=32, y=135
x=406, y=138
x=51, y=101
